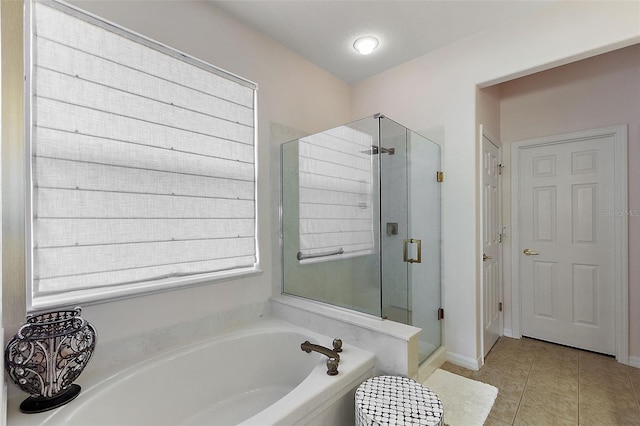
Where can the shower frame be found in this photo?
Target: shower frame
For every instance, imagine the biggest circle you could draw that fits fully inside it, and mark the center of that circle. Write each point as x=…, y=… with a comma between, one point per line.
x=395, y=282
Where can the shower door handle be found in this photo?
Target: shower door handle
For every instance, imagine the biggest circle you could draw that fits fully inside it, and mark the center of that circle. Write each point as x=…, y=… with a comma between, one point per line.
x=405, y=251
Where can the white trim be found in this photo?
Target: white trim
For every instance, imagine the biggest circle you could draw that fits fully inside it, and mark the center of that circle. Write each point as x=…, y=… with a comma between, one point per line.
x=96, y=295
x=484, y=133
x=28, y=179
x=634, y=361
x=479, y=244
x=621, y=235
x=463, y=361
x=507, y=332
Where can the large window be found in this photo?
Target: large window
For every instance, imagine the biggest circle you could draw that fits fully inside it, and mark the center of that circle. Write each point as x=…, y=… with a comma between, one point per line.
x=141, y=162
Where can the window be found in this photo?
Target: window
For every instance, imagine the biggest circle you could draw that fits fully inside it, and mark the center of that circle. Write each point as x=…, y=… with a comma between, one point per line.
x=142, y=163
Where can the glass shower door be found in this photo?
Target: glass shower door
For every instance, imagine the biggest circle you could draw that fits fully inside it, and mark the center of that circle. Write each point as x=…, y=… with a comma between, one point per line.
x=423, y=163
x=410, y=232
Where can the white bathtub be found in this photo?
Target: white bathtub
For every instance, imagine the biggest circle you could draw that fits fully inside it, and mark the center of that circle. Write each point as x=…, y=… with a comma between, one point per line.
x=257, y=375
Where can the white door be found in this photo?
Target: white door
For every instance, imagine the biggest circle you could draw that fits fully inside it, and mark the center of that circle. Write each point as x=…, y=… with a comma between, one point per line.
x=567, y=246
x=491, y=239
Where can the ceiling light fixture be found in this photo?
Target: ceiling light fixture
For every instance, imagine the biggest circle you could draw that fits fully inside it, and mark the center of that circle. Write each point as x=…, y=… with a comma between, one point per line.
x=365, y=45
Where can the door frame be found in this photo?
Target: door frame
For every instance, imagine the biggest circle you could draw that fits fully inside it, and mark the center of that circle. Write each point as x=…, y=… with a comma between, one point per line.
x=484, y=133
x=621, y=236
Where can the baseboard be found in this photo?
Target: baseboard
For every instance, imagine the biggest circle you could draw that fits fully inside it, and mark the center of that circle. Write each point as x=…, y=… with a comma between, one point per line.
x=507, y=332
x=634, y=361
x=463, y=361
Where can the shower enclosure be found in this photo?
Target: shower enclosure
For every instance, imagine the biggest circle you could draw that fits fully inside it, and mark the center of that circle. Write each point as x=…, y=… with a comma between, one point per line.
x=360, y=220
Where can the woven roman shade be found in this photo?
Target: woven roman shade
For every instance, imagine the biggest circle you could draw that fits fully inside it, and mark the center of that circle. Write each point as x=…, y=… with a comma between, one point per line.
x=142, y=161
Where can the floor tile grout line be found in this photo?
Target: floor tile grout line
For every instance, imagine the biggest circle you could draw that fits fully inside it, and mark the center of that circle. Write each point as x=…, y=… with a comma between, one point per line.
x=524, y=387
x=636, y=392
x=579, y=369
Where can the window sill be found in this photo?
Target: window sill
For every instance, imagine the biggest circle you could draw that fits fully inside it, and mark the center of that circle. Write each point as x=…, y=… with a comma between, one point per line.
x=108, y=294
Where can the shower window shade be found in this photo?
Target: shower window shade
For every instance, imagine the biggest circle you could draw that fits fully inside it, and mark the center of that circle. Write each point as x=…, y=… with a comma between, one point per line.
x=336, y=192
x=142, y=161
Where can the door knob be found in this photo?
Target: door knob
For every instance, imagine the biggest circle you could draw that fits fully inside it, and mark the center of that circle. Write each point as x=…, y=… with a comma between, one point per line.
x=528, y=252
x=485, y=257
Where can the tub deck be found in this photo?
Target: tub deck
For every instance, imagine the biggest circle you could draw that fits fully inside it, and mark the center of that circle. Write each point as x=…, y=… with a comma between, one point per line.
x=255, y=375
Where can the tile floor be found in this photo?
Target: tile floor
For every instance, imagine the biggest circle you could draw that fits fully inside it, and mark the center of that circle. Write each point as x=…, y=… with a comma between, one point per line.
x=541, y=383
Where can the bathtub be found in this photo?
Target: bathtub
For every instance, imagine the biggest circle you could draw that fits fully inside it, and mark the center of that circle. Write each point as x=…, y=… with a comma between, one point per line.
x=256, y=375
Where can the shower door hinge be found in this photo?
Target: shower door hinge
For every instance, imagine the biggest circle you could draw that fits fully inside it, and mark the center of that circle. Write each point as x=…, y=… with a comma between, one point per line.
x=439, y=176
x=440, y=313
x=500, y=306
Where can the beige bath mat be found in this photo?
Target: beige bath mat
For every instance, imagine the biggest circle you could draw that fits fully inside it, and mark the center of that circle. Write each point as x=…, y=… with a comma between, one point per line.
x=466, y=402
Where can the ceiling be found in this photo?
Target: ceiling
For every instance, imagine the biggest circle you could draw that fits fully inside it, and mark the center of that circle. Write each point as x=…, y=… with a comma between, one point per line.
x=323, y=31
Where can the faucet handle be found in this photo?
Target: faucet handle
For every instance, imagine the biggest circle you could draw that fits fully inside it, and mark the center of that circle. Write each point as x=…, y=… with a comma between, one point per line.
x=337, y=345
x=332, y=366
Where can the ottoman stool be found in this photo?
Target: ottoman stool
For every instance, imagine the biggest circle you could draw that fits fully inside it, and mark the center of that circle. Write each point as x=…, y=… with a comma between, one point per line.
x=395, y=400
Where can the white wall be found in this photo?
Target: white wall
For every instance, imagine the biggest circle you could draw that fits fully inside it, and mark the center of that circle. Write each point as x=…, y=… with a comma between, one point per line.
x=439, y=89
x=292, y=91
x=597, y=92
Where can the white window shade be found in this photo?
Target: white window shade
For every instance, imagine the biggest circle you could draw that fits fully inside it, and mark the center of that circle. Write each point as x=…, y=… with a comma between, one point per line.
x=142, y=159
x=336, y=195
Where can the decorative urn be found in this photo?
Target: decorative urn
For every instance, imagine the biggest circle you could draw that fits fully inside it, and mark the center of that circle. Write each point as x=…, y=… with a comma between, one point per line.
x=46, y=355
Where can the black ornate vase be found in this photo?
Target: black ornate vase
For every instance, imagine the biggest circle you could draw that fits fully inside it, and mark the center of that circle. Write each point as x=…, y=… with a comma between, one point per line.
x=46, y=355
